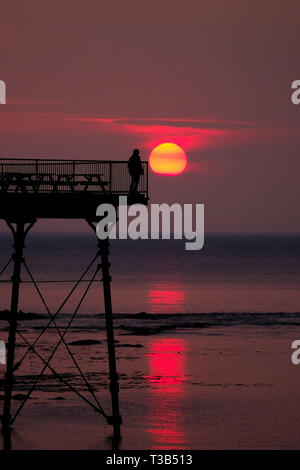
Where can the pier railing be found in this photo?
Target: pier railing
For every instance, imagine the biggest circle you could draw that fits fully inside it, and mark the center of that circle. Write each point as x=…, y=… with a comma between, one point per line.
x=61, y=176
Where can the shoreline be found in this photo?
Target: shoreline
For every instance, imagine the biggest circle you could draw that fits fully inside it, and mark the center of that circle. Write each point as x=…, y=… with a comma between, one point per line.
x=184, y=389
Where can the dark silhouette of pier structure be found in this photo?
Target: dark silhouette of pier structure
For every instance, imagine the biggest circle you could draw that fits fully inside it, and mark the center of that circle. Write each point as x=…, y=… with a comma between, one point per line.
x=32, y=189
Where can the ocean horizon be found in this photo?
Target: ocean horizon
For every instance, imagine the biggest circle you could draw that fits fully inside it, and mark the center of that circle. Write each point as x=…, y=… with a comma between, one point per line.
x=233, y=273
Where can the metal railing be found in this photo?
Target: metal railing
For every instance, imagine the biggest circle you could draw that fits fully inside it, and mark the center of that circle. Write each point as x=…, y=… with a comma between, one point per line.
x=61, y=176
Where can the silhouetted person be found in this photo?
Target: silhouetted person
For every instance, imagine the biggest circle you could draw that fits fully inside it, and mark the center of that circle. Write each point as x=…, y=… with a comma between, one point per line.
x=135, y=169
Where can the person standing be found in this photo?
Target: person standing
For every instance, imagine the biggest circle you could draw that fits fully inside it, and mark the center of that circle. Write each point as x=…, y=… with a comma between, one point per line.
x=135, y=168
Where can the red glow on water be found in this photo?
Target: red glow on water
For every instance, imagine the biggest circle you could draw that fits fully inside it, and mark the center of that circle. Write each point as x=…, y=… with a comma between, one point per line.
x=164, y=300
x=166, y=362
x=166, y=297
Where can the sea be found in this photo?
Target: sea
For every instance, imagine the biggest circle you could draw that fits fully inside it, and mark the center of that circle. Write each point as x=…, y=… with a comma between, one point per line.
x=236, y=275
x=203, y=341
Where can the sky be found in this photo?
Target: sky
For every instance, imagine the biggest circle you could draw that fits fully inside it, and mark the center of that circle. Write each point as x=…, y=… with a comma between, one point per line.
x=95, y=79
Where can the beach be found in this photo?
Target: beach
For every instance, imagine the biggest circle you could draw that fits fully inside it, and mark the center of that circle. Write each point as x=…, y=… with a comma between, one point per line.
x=203, y=354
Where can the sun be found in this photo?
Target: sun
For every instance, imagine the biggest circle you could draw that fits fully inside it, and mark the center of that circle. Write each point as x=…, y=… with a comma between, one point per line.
x=168, y=159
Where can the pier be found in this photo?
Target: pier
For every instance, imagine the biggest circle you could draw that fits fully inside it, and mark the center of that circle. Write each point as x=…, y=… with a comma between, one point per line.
x=33, y=189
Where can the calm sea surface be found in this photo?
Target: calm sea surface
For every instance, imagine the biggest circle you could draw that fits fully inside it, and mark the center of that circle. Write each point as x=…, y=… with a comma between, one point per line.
x=231, y=274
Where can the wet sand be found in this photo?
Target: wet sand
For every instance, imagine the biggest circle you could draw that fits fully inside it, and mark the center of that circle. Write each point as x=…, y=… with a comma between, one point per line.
x=214, y=388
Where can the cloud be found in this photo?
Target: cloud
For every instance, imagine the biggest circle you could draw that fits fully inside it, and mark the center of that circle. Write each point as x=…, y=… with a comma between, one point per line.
x=33, y=102
x=189, y=133
x=113, y=134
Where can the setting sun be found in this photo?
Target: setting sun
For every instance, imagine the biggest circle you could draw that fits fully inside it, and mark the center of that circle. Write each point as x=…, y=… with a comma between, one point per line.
x=168, y=159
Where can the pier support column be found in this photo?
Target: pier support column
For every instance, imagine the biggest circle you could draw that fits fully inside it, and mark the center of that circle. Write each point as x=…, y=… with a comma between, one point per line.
x=19, y=233
x=115, y=419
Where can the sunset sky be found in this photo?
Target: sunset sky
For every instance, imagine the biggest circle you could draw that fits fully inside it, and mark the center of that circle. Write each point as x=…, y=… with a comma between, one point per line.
x=95, y=79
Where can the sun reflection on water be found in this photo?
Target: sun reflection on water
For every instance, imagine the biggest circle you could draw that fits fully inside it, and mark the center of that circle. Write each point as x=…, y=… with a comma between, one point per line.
x=166, y=362
x=167, y=300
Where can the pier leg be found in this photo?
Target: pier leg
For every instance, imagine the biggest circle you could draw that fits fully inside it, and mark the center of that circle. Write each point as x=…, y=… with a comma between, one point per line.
x=19, y=234
x=115, y=419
